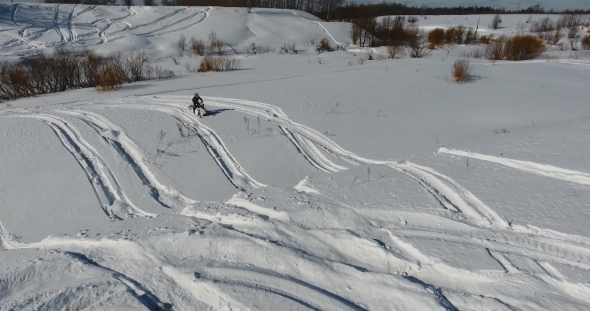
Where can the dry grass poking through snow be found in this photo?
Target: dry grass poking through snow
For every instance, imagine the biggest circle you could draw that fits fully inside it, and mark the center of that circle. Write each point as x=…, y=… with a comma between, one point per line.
x=219, y=63
x=522, y=47
x=461, y=70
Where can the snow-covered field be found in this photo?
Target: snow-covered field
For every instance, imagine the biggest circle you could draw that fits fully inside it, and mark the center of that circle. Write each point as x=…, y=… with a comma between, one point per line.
x=317, y=183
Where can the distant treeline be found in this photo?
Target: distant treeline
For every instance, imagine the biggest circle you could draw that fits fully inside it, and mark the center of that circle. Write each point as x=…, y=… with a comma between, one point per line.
x=335, y=10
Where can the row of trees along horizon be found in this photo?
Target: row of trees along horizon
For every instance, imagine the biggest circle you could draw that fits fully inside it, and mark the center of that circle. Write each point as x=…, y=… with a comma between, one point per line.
x=333, y=10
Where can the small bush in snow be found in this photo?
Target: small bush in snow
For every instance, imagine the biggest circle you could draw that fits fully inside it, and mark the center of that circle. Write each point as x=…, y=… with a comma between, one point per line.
x=396, y=51
x=215, y=44
x=454, y=35
x=197, y=46
x=436, y=38
x=256, y=49
x=324, y=46
x=495, y=22
x=65, y=69
x=418, y=48
x=461, y=71
x=486, y=39
x=571, y=22
x=585, y=42
x=110, y=77
x=137, y=66
x=162, y=73
x=515, y=48
x=523, y=47
x=476, y=53
x=288, y=48
x=543, y=25
x=217, y=63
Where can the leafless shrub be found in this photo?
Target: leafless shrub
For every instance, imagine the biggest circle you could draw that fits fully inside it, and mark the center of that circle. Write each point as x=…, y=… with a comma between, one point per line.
x=551, y=38
x=486, y=39
x=509, y=223
x=571, y=22
x=396, y=51
x=181, y=43
x=163, y=73
x=461, y=71
x=543, y=25
x=136, y=65
x=574, y=43
x=110, y=77
x=361, y=60
x=215, y=44
x=218, y=63
x=324, y=46
x=46, y=72
x=436, y=38
x=412, y=19
x=370, y=55
x=585, y=42
x=418, y=48
x=470, y=36
x=500, y=131
x=288, y=48
x=175, y=61
x=159, y=149
x=475, y=53
x=515, y=48
x=495, y=22
x=457, y=35
x=256, y=49
x=197, y=46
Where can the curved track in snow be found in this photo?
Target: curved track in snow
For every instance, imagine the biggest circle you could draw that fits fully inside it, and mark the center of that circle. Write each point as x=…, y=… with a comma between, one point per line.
x=276, y=253
x=111, y=196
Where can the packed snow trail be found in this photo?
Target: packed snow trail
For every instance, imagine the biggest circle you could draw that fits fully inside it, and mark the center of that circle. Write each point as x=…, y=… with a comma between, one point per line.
x=136, y=157
x=109, y=193
x=459, y=199
x=215, y=146
x=527, y=166
x=309, y=261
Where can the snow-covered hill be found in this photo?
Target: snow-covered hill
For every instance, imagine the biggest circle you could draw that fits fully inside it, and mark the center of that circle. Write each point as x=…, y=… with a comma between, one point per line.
x=318, y=181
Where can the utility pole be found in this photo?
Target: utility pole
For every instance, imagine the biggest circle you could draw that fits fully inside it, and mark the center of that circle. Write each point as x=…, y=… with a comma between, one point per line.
x=518, y=8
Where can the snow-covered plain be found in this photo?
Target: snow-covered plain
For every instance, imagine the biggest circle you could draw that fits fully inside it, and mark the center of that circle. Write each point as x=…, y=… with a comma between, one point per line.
x=317, y=183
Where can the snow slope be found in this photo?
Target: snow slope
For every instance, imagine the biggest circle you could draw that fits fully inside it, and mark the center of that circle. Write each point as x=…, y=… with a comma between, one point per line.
x=317, y=182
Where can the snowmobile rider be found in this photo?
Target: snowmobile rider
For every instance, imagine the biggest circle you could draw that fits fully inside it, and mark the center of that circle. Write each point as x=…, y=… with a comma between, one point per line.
x=197, y=102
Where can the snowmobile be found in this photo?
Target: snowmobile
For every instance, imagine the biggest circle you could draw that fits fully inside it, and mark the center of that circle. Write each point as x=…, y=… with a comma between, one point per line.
x=199, y=111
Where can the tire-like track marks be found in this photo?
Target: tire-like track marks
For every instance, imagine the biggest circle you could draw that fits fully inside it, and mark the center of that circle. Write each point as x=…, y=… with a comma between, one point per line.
x=214, y=144
x=133, y=154
x=109, y=193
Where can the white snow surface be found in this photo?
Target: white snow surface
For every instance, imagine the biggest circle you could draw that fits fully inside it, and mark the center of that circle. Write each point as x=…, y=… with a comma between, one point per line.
x=317, y=182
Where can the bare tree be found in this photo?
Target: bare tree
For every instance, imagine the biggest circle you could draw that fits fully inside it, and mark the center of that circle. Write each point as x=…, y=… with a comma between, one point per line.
x=128, y=3
x=182, y=42
x=148, y=2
